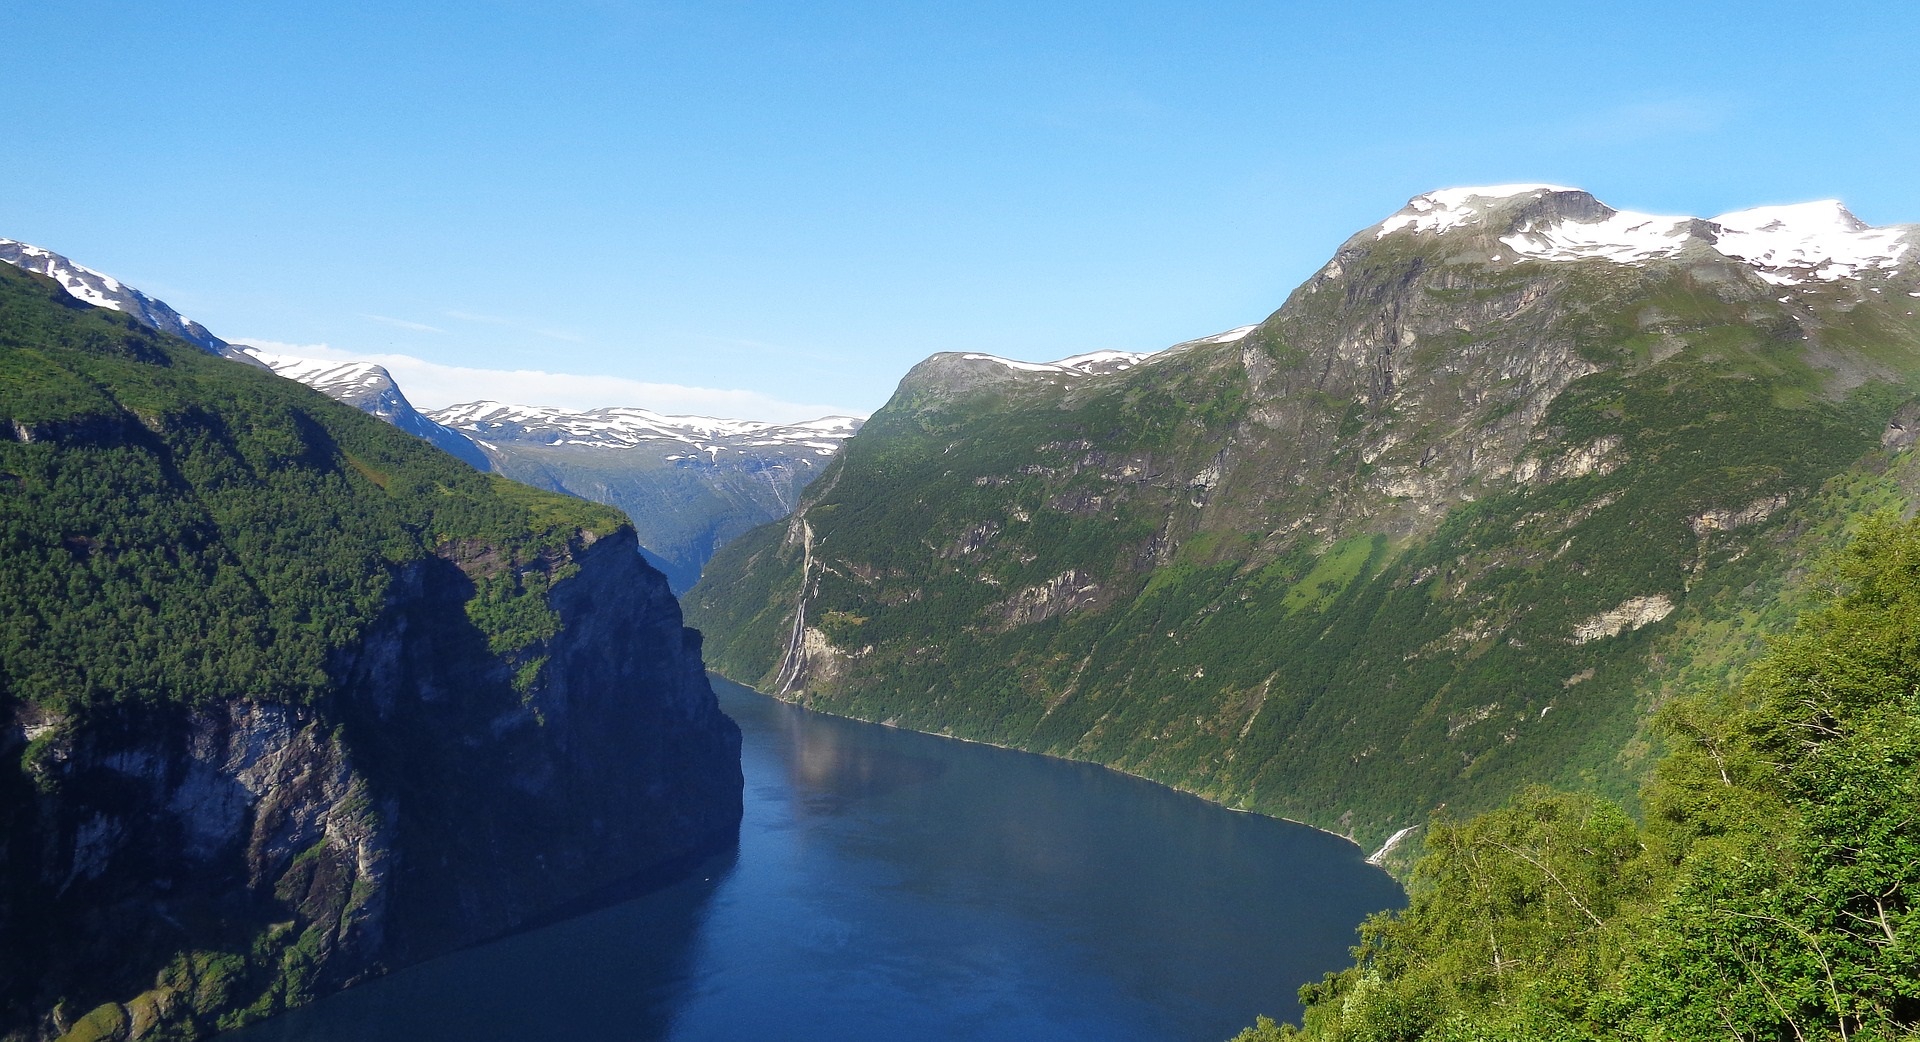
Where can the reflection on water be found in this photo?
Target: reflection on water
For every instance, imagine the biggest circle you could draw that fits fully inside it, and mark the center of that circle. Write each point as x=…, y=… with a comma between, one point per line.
x=829, y=767
x=618, y=972
x=893, y=884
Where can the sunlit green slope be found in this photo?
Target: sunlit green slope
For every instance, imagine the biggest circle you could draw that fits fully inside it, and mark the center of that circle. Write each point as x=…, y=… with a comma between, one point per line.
x=1443, y=525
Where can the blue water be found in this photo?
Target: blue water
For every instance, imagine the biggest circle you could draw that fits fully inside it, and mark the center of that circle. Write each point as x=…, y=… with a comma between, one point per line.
x=895, y=885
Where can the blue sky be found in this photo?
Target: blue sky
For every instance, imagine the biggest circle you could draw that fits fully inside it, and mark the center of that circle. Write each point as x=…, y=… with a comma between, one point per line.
x=773, y=209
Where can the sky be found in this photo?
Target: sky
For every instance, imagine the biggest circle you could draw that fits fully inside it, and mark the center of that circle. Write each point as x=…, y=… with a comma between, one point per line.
x=773, y=210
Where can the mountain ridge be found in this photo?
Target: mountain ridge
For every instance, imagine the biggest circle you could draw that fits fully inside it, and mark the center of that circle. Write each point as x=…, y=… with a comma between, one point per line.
x=683, y=508
x=292, y=699
x=371, y=389
x=103, y=290
x=1192, y=569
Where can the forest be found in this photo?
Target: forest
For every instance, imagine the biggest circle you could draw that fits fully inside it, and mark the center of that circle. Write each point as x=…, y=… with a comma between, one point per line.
x=1768, y=894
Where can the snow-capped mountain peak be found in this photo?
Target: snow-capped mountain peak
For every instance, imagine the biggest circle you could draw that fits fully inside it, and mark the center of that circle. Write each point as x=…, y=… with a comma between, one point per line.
x=367, y=387
x=1819, y=240
x=1450, y=208
x=361, y=384
x=1785, y=245
x=627, y=427
x=104, y=291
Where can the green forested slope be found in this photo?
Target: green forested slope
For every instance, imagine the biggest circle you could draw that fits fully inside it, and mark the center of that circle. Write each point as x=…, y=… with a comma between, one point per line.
x=178, y=527
x=288, y=697
x=1439, y=528
x=1769, y=895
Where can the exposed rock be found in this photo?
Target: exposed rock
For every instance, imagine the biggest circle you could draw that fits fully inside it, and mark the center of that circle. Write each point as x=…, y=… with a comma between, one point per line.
x=427, y=805
x=1722, y=520
x=1462, y=721
x=1597, y=457
x=1903, y=428
x=972, y=540
x=1631, y=614
x=1063, y=593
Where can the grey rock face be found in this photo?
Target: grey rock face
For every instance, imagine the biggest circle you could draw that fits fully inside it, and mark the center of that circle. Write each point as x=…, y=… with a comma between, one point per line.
x=1903, y=428
x=430, y=803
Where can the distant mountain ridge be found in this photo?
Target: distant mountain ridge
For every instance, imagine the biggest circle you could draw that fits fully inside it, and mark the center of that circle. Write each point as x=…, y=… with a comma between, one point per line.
x=1511, y=464
x=371, y=389
x=102, y=290
x=691, y=483
x=625, y=428
x=683, y=506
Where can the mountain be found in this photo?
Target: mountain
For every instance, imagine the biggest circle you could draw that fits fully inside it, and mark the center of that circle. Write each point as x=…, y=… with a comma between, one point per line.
x=1765, y=892
x=690, y=483
x=371, y=389
x=105, y=291
x=362, y=385
x=289, y=698
x=1511, y=467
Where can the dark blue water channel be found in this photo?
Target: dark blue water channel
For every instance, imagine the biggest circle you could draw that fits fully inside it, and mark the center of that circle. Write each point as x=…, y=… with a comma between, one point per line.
x=895, y=885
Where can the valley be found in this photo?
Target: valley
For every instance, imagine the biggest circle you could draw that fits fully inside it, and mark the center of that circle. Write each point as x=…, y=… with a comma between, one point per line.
x=1495, y=502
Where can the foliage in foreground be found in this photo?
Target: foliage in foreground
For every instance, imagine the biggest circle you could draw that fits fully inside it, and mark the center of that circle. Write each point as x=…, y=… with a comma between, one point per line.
x=1769, y=895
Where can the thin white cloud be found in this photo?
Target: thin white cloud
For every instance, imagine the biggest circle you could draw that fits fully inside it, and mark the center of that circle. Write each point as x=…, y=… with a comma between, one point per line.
x=418, y=327
x=496, y=320
x=469, y=316
x=432, y=385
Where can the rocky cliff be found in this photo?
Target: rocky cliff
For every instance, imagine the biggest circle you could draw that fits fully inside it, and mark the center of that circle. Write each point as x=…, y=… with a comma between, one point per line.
x=291, y=699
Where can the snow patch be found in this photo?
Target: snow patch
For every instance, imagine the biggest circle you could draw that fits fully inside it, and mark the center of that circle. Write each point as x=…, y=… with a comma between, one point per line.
x=1451, y=208
x=1785, y=245
x=630, y=427
x=1024, y=367
x=1228, y=337
x=1820, y=240
x=1103, y=361
x=1624, y=238
x=80, y=281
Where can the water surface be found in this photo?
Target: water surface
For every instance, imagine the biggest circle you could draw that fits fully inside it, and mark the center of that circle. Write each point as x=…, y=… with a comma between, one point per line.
x=890, y=884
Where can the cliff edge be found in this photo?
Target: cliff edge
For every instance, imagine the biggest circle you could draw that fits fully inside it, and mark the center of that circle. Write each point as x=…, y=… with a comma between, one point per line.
x=289, y=699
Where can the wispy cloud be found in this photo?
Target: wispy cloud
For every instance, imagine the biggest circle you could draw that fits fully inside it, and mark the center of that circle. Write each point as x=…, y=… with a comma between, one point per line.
x=418, y=327
x=432, y=385
x=511, y=323
x=469, y=316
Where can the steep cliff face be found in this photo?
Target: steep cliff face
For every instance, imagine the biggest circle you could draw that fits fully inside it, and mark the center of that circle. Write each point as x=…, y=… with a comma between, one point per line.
x=519, y=796
x=290, y=699
x=1436, y=528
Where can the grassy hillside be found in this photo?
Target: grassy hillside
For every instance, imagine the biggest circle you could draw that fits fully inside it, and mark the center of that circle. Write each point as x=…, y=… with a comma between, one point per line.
x=195, y=829
x=1769, y=894
x=178, y=527
x=1436, y=530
